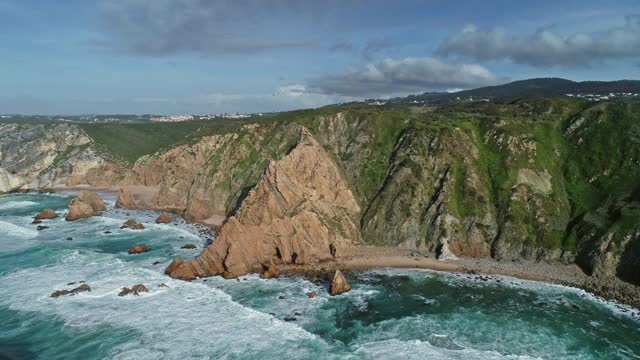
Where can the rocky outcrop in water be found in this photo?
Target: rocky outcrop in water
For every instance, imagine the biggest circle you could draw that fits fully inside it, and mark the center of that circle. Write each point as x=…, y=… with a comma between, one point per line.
x=299, y=208
x=139, y=249
x=79, y=289
x=135, y=290
x=46, y=214
x=163, y=218
x=132, y=225
x=339, y=285
x=86, y=204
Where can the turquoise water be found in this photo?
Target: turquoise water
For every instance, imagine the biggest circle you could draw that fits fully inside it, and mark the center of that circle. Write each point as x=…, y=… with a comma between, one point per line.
x=390, y=314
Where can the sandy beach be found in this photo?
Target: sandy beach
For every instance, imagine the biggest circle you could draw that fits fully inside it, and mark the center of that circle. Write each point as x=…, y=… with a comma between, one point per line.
x=367, y=257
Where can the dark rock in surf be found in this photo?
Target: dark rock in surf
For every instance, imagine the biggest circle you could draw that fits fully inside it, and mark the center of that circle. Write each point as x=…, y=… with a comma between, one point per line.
x=79, y=289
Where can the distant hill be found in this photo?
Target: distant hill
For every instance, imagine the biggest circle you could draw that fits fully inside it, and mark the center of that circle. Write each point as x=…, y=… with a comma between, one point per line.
x=540, y=87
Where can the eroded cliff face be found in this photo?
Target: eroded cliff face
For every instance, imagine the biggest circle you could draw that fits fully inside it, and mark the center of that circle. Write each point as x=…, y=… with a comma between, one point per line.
x=207, y=180
x=300, y=208
x=44, y=156
x=418, y=205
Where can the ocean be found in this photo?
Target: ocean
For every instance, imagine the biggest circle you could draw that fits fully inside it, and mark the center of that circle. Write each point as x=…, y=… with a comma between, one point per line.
x=389, y=314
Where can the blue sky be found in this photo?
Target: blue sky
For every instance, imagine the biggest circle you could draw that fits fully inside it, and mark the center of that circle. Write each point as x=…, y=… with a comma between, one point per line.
x=197, y=56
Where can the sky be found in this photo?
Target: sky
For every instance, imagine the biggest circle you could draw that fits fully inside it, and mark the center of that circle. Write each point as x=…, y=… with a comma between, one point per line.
x=207, y=56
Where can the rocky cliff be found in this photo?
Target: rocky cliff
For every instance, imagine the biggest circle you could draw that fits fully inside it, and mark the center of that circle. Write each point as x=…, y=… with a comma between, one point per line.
x=48, y=155
x=548, y=180
x=300, y=209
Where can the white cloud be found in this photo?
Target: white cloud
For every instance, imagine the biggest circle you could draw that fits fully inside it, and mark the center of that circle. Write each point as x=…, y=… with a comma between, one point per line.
x=171, y=27
x=545, y=48
x=392, y=77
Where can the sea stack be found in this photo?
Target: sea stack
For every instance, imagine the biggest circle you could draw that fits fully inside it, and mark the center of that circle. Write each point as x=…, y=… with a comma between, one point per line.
x=339, y=285
x=86, y=204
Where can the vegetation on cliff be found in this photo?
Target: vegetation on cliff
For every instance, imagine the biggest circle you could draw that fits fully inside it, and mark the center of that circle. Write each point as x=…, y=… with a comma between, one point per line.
x=546, y=179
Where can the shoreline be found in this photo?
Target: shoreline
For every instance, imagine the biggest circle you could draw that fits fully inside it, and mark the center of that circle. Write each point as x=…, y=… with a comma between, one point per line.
x=610, y=289
x=362, y=258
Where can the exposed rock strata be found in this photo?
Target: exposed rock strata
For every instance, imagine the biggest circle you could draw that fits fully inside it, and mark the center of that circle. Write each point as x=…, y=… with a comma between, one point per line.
x=299, y=208
x=45, y=156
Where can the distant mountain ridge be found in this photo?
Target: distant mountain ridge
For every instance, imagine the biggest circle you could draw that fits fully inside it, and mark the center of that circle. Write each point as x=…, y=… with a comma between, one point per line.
x=539, y=87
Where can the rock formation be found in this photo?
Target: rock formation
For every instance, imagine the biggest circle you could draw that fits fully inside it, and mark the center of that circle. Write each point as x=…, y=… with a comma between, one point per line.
x=135, y=290
x=175, y=264
x=37, y=156
x=85, y=205
x=46, y=214
x=163, y=218
x=9, y=182
x=339, y=285
x=132, y=224
x=301, y=205
x=188, y=246
x=139, y=249
x=79, y=289
x=271, y=271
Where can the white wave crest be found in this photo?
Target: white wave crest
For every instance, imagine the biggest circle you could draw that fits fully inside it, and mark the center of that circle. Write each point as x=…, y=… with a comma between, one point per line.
x=10, y=205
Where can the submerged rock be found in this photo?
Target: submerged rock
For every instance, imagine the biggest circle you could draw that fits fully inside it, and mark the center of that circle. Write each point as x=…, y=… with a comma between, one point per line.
x=82, y=288
x=164, y=218
x=132, y=224
x=41, y=227
x=86, y=204
x=139, y=249
x=339, y=285
x=188, y=246
x=46, y=214
x=135, y=290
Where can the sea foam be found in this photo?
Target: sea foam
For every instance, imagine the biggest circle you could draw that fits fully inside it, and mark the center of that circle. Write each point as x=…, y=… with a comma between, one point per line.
x=184, y=320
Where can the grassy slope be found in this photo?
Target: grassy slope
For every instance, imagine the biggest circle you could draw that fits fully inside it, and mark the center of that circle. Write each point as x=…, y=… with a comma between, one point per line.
x=128, y=142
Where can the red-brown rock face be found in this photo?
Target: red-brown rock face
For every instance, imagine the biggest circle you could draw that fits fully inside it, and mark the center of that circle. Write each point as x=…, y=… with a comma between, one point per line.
x=299, y=208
